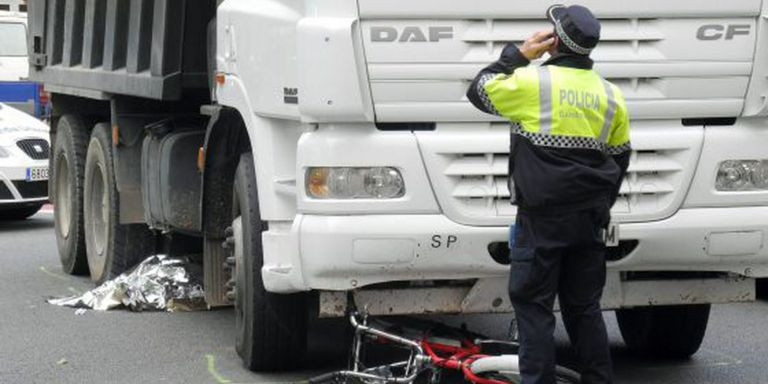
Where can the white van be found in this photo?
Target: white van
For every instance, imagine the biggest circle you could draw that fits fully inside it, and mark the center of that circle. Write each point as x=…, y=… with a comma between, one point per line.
x=13, y=47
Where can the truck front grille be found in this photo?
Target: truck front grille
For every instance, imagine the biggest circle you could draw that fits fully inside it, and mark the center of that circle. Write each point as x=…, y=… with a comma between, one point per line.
x=469, y=172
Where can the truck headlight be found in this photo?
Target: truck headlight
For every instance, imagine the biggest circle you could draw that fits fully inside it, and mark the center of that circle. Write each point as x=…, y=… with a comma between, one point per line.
x=742, y=175
x=354, y=183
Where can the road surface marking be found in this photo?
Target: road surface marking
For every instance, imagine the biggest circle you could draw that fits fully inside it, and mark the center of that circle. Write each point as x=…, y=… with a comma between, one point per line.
x=733, y=360
x=75, y=291
x=53, y=274
x=721, y=360
x=212, y=370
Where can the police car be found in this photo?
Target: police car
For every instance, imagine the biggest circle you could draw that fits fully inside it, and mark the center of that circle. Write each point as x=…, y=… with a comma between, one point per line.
x=24, y=152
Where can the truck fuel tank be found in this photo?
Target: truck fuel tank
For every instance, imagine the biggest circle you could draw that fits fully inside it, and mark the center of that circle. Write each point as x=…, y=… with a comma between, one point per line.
x=171, y=182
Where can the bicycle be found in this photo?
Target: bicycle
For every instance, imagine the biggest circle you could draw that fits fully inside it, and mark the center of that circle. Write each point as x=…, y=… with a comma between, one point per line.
x=434, y=349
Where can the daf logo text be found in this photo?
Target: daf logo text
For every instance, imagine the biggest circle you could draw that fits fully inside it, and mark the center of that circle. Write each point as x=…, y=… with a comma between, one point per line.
x=411, y=34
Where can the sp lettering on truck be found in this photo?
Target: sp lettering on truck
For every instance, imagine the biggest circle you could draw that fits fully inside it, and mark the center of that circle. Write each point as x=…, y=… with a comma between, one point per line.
x=444, y=241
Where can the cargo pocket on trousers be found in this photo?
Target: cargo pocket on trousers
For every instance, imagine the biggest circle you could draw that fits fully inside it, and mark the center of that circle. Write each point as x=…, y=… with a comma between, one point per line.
x=520, y=273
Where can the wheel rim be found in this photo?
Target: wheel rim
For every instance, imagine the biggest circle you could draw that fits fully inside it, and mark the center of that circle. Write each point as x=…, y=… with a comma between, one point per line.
x=98, y=210
x=97, y=219
x=63, y=202
x=238, y=271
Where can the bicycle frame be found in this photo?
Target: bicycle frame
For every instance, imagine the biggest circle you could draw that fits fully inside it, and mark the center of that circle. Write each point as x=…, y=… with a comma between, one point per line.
x=424, y=354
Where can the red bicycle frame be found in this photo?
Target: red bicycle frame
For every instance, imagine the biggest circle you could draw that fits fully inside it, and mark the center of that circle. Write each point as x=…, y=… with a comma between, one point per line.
x=457, y=359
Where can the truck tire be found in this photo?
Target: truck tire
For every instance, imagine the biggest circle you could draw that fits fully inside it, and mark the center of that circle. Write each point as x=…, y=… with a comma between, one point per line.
x=19, y=213
x=111, y=248
x=68, y=169
x=271, y=328
x=672, y=332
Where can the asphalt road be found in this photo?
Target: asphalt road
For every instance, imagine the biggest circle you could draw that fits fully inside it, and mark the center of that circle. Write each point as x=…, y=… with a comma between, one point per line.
x=42, y=343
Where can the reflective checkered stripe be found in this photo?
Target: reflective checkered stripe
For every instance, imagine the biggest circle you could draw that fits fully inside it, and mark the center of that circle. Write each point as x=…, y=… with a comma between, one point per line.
x=484, y=95
x=618, y=149
x=552, y=141
x=560, y=107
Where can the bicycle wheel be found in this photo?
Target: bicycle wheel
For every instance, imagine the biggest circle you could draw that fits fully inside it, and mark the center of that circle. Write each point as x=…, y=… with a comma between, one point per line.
x=507, y=368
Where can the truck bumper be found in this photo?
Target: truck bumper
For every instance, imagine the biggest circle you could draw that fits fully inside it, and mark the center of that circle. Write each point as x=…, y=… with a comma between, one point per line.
x=340, y=253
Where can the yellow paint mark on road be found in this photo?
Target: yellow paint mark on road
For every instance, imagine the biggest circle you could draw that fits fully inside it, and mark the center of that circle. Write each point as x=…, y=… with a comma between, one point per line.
x=721, y=360
x=730, y=360
x=75, y=291
x=212, y=370
x=62, y=278
x=53, y=274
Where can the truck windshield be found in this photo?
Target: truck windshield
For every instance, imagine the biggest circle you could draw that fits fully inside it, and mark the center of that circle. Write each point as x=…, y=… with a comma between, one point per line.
x=14, y=39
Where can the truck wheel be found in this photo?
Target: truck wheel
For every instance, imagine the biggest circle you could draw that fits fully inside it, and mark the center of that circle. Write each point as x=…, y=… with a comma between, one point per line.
x=68, y=165
x=19, y=213
x=271, y=328
x=111, y=248
x=673, y=332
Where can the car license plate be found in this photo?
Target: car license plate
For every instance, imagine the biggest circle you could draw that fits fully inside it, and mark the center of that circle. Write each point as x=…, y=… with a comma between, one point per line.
x=37, y=173
x=611, y=235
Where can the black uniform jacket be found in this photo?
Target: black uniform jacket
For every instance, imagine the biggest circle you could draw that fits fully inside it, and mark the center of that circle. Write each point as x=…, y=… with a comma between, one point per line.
x=555, y=180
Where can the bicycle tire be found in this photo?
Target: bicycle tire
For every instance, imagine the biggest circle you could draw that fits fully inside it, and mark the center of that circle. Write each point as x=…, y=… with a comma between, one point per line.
x=507, y=367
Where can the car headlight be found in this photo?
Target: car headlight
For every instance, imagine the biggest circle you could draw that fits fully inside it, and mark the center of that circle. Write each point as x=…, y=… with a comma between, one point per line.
x=742, y=175
x=4, y=153
x=354, y=183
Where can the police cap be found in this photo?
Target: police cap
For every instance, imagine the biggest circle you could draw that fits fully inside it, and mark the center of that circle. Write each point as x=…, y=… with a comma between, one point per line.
x=576, y=26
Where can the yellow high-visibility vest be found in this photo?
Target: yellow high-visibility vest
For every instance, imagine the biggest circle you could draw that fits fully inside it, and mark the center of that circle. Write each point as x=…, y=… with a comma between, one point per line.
x=561, y=107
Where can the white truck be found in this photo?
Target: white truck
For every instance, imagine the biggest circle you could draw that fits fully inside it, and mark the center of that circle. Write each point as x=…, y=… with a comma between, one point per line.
x=324, y=151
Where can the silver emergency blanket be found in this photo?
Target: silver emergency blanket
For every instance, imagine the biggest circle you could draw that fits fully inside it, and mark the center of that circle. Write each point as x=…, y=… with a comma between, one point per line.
x=160, y=283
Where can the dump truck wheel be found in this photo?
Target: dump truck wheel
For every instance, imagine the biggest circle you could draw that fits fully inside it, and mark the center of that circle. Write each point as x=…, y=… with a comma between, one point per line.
x=68, y=166
x=271, y=328
x=111, y=248
x=672, y=332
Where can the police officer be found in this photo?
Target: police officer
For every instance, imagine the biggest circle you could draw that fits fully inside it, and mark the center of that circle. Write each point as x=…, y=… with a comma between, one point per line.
x=568, y=155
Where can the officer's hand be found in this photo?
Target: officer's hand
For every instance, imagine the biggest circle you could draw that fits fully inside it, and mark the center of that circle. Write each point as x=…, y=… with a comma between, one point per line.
x=536, y=45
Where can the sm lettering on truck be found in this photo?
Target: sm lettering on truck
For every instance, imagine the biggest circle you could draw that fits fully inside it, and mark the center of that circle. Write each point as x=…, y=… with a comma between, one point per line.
x=444, y=241
x=610, y=235
x=710, y=32
x=411, y=34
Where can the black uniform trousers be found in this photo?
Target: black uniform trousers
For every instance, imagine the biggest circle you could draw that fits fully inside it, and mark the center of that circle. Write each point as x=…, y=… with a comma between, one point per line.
x=563, y=255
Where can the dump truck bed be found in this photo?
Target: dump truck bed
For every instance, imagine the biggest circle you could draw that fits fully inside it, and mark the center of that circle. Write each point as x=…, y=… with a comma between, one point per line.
x=145, y=48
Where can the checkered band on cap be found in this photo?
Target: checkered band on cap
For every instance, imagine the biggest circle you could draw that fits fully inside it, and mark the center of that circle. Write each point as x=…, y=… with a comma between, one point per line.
x=568, y=41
